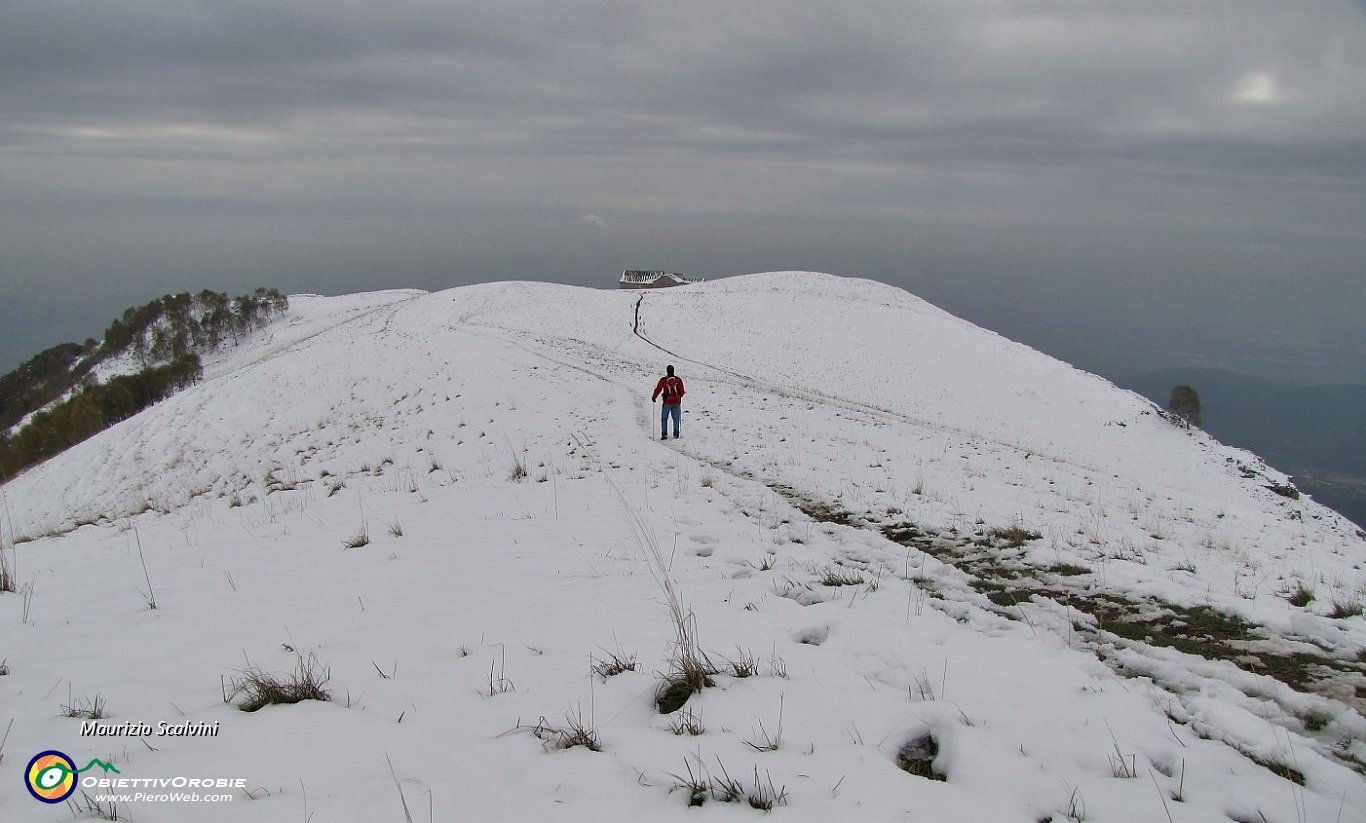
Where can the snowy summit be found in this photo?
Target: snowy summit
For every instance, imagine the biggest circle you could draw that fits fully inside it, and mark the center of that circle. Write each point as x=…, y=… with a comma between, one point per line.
x=915, y=571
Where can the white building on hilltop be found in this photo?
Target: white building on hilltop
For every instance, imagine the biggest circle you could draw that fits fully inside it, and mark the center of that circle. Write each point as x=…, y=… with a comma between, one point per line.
x=634, y=279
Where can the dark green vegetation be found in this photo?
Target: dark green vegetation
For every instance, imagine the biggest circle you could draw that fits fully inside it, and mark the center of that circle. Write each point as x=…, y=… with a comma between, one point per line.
x=93, y=409
x=42, y=379
x=815, y=509
x=165, y=336
x=1185, y=404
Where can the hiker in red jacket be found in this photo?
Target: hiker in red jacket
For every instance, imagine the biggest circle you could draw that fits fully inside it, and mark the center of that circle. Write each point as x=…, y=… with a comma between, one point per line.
x=672, y=389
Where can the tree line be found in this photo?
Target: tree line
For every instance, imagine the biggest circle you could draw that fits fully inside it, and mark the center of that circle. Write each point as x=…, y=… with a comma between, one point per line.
x=165, y=336
x=93, y=409
x=171, y=326
x=41, y=379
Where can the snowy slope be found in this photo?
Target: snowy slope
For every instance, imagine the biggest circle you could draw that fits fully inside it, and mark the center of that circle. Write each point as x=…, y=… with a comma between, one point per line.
x=834, y=429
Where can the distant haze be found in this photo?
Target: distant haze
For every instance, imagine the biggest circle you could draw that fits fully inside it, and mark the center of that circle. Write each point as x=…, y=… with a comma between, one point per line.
x=1127, y=186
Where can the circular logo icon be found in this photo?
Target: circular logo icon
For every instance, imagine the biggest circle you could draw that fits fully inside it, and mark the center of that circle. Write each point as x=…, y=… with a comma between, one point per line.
x=51, y=777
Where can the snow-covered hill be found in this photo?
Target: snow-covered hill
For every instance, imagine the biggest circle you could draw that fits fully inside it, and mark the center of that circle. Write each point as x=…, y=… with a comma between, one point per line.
x=913, y=529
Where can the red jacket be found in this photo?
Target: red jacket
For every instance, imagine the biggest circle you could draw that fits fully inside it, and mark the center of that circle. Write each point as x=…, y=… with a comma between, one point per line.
x=671, y=388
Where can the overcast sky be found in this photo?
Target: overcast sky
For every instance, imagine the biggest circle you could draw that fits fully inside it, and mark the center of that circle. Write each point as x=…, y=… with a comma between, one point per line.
x=1124, y=184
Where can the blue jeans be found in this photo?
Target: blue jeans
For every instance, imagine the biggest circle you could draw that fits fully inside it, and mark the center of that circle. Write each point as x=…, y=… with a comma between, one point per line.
x=665, y=413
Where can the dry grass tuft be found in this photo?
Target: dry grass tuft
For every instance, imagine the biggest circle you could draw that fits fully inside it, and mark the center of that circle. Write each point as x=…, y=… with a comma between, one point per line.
x=259, y=688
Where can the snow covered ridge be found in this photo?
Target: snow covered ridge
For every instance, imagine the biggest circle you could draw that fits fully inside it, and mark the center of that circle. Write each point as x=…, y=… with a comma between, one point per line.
x=903, y=549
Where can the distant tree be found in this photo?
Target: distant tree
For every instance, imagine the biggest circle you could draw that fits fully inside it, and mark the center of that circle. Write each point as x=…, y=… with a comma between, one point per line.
x=117, y=336
x=1185, y=404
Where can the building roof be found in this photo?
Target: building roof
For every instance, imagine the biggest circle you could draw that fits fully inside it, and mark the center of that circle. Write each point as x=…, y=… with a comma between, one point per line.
x=640, y=277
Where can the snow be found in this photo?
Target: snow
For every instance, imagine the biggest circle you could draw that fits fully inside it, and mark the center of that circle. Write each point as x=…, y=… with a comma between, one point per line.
x=481, y=601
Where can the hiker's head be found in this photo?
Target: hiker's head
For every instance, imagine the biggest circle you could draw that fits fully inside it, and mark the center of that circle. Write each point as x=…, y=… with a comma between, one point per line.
x=669, y=370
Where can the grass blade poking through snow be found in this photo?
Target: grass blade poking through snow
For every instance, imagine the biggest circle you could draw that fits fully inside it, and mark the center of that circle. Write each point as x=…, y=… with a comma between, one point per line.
x=150, y=596
x=690, y=670
x=407, y=815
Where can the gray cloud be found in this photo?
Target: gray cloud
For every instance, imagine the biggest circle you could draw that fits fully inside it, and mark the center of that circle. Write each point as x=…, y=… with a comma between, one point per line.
x=1164, y=151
